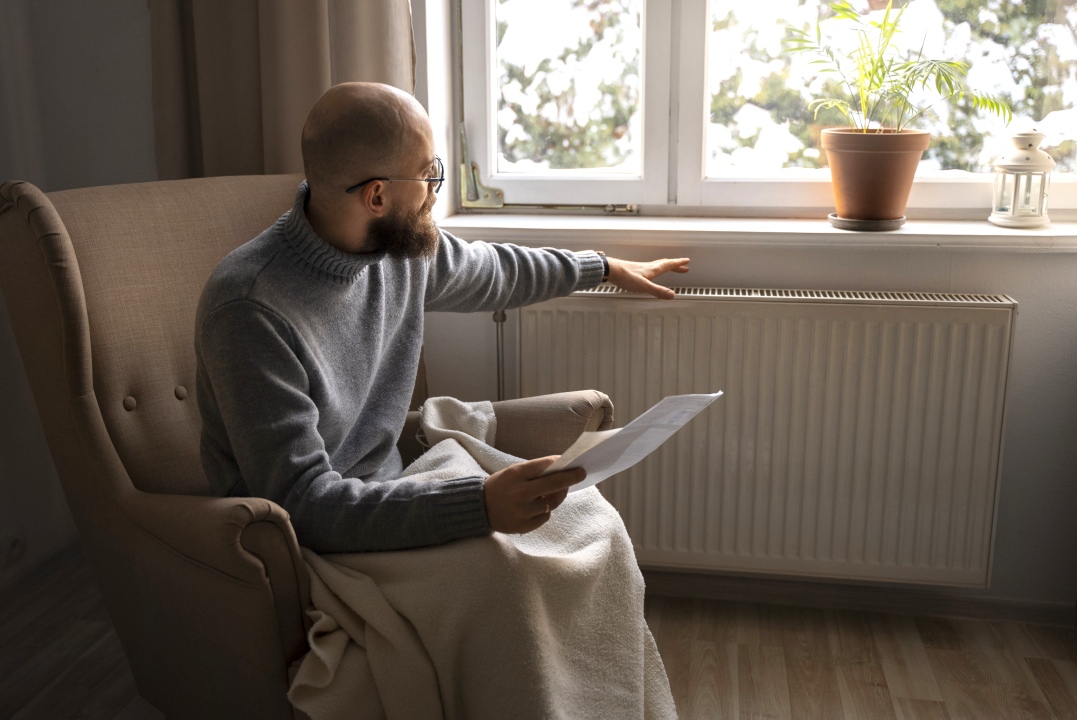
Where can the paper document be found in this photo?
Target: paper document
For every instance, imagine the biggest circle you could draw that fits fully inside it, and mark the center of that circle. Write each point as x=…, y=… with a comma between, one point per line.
x=608, y=452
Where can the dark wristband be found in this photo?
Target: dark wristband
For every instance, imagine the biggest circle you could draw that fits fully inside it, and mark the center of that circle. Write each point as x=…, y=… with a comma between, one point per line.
x=605, y=265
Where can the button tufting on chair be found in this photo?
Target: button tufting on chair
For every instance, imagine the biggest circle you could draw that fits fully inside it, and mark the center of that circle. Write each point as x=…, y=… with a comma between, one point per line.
x=229, y=569
x=181, y=392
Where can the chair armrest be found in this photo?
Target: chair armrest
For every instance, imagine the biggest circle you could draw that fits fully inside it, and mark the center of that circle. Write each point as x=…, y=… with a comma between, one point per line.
x=208, y=530
x=247, y=538
x=548, y=424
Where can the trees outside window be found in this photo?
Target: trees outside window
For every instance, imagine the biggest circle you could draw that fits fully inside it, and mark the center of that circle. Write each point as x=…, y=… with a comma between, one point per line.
x=569, y=91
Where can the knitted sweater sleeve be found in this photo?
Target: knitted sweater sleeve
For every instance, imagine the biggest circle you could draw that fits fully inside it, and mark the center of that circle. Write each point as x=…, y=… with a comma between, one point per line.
x=260, y=427
x=480, y=276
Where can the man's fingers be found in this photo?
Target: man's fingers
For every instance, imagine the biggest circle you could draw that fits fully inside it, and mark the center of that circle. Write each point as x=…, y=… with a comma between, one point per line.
x=642, y=284
x=659, y=291
x=545, y=504
x=675, y=263
x=556, y=482
x=659, y=267
x=680, y=265
x=556, y=499
x=530, y=469
x=541, y=506
x=519, y=500
x=636, y=277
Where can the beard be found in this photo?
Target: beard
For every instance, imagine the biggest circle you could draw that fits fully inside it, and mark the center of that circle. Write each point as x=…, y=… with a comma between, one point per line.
x=405, y=235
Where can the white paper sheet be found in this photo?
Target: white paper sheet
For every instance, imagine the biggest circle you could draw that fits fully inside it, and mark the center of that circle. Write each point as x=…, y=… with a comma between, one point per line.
x=609, y=452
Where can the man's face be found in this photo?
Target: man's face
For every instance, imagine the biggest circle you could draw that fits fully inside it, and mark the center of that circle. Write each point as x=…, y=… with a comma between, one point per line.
x=406, y=231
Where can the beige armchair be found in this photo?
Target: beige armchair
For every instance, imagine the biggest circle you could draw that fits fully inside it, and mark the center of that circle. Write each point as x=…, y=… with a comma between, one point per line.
x=207, y=594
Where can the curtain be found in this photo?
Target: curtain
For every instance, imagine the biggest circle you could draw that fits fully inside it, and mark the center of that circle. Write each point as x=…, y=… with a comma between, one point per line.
x=233, y=81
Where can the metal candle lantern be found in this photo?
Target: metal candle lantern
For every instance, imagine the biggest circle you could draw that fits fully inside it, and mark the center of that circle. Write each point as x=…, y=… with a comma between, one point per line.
x=1022, y=177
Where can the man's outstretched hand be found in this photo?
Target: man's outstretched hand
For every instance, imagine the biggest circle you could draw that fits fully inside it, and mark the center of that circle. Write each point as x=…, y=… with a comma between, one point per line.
x=637, y=276
x=518, y=500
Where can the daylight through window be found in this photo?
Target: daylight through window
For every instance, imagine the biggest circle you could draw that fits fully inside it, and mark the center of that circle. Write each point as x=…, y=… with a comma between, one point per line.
x=583, y=91
x=759, y=121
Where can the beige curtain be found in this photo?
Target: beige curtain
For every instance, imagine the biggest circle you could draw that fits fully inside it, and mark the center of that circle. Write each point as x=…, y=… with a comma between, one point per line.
x=233, y=81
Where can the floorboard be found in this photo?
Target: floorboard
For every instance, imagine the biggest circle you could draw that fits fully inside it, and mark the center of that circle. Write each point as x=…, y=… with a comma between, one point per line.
x=809, y=667
x=60, y=659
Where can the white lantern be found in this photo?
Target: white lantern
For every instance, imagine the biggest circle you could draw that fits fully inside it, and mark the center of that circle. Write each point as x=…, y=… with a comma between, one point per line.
x=1022, y=177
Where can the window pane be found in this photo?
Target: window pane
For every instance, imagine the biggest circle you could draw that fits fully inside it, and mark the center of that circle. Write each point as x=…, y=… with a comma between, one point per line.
x=760, y=123
x=569, y=91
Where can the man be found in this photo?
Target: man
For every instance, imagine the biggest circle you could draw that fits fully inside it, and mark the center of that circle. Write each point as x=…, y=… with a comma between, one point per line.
x=307, y=344
x=308, y=339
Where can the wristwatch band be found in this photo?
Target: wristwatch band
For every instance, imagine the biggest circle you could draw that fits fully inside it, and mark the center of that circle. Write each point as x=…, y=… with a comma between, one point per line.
x=605, y=265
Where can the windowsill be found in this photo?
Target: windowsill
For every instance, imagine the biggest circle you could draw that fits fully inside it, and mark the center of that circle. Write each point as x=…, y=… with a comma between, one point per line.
x=580, y=231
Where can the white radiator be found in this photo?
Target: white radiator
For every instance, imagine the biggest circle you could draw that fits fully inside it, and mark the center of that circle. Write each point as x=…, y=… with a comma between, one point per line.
x=860, y=435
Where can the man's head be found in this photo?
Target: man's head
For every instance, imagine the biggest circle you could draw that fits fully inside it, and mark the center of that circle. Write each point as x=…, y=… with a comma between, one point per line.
x=359, y=131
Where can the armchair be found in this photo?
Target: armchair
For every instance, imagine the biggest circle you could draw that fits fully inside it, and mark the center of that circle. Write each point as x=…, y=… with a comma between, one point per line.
x=207, y=594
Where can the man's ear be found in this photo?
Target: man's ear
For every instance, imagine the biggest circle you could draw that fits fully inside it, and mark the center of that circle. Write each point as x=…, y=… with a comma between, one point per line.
x=374, y=199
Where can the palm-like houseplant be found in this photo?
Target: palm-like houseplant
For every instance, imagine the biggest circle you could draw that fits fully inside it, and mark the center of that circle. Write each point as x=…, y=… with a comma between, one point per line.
x=874, y=159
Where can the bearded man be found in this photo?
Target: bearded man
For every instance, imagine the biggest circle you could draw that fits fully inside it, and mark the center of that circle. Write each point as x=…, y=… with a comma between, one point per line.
x=307, y=341
x=308, y=338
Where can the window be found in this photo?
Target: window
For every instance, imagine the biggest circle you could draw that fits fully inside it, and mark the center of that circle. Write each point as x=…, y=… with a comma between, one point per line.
x=567, y=101
x=695, y=102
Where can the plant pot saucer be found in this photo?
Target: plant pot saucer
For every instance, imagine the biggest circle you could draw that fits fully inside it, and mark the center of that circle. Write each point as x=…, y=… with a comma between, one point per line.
x=865, y=225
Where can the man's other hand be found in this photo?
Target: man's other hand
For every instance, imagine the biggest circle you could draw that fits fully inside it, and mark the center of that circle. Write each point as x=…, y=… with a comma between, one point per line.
x=637, y=276
x=518, y=500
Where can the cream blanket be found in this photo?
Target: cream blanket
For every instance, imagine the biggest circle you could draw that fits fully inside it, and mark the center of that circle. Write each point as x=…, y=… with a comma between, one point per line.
x=548, y=624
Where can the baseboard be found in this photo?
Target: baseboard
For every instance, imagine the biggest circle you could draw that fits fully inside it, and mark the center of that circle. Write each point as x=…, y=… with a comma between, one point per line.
x=868, y=598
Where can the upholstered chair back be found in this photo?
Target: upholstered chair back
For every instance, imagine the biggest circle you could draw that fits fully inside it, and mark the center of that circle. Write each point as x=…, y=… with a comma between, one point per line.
x=101, y=285
x=208, y=595
x=139, y=256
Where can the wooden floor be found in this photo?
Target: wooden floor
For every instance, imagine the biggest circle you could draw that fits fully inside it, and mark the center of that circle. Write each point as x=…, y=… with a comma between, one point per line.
x=59, y=656
x=59, y=659
x=737, y=660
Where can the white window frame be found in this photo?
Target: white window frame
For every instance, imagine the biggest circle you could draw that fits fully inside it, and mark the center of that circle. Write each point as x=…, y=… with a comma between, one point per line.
x=674, y=149
x=568, y=188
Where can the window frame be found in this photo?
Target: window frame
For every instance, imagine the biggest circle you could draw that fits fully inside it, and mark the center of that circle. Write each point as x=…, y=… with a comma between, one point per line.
x=674, y=140
x=567, y=188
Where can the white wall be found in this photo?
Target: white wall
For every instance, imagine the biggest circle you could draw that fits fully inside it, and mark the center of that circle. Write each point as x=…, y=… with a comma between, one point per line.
x=75, y=111
x=1036, y=538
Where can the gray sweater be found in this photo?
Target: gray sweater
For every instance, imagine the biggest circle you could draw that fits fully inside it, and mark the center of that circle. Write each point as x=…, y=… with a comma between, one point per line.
x=306, y=361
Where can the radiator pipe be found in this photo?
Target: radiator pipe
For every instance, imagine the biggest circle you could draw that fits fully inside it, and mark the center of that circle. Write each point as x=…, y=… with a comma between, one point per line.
x=499, y=320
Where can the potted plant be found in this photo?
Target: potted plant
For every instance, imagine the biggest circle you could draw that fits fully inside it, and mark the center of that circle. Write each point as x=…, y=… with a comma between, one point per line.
x=873, y=159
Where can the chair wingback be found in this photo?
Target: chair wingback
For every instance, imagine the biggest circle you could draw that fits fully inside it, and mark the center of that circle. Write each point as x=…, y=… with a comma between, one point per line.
x=108, y=279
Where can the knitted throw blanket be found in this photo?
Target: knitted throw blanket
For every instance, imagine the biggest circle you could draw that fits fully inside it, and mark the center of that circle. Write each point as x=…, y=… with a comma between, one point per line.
x=548, y=624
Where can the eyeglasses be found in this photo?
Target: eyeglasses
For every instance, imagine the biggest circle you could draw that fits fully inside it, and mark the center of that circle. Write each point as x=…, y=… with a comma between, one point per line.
x=439, y=171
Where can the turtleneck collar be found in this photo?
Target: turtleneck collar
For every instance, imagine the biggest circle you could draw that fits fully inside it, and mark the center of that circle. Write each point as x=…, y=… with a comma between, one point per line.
x=316, y=255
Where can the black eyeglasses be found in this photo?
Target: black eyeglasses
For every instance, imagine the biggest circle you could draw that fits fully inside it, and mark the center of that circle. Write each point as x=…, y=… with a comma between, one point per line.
x=439, y=171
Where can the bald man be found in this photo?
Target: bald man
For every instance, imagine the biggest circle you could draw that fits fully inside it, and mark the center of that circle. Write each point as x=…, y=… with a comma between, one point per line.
x=308, y=338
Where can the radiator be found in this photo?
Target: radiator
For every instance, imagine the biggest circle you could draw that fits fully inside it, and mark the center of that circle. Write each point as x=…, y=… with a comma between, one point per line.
x=860, y=436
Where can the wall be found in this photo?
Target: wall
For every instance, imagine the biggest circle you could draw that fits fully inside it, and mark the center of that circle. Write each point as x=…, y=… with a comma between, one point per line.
x=74, y=111
x=1036, y=536
x=76, y=93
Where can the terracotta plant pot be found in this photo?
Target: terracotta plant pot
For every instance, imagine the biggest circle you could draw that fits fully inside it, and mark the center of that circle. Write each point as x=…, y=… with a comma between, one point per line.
x=872, y=171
